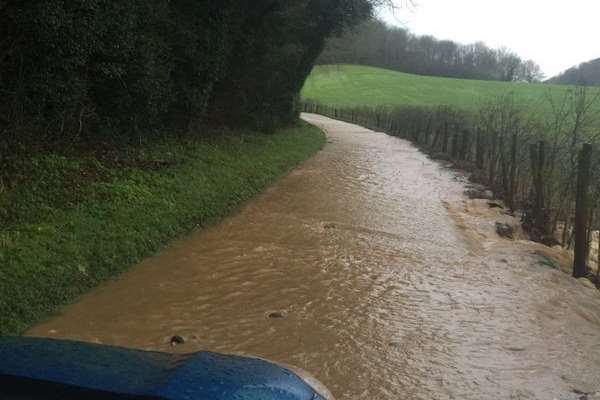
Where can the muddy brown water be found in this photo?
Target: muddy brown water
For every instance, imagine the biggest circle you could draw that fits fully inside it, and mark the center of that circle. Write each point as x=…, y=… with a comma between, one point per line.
x=388, y=285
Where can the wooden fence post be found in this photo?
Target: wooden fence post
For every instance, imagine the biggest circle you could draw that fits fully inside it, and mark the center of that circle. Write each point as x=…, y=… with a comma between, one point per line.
x=539, y=191
x=466, y=145
x=479, y=160
x=513, y=172
x=436, y=138
x=534, y=163
x=493, y=159
x=428, y=131
x=581, y=212
x=455, y=151
x=446, y=137
x=418, y=130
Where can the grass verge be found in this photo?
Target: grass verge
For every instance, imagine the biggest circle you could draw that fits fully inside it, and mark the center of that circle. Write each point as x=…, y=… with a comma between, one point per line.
x=74, y=222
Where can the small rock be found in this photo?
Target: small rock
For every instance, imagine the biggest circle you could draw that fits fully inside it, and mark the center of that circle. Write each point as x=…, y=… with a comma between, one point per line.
x=549, y=240
x=582, y=395
x=548, y=262
x=461, y=178
x=586, y=282
x=472, y=193
x=504, y=230
x=277, y=315
x=175, y=340
x=479, y=193
x=441, y=157
x=329, y=225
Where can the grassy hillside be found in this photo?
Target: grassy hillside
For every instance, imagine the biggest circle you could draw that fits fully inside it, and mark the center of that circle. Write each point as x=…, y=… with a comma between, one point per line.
x=353, y=85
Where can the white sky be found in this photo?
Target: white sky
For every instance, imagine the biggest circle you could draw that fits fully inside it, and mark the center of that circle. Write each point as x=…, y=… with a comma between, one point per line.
x=557, y=34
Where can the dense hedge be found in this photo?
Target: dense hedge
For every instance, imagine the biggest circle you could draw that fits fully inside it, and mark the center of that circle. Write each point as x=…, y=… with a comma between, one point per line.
x=81, y=70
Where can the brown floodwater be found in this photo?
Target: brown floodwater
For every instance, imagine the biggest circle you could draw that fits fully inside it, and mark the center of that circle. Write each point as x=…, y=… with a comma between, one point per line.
x=391, y=283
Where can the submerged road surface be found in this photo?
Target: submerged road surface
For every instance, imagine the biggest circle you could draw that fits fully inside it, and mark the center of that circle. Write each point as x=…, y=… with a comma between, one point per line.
x=362, y=268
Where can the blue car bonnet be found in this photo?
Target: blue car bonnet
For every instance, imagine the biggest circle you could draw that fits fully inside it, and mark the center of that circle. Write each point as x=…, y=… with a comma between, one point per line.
x=35, y=369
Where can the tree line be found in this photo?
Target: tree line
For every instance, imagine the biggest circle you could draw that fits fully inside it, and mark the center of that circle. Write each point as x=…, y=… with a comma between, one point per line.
x=585, y=74
x=377, y=44
x=77, y=71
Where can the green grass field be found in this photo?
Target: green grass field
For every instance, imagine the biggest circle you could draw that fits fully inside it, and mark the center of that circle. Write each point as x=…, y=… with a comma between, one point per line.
x=353, y=85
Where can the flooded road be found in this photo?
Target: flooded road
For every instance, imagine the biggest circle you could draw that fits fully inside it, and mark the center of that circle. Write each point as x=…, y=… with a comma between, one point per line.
x=388, y=285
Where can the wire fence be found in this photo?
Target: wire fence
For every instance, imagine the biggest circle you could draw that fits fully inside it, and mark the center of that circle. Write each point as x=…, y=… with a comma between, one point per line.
x=543, y=168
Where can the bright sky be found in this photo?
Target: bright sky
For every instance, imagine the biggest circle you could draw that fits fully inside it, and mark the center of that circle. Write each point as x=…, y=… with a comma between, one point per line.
x=557, y=34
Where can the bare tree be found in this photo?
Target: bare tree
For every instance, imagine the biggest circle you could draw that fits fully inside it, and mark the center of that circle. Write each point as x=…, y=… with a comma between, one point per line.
x=509, y=63
x=529, y=71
